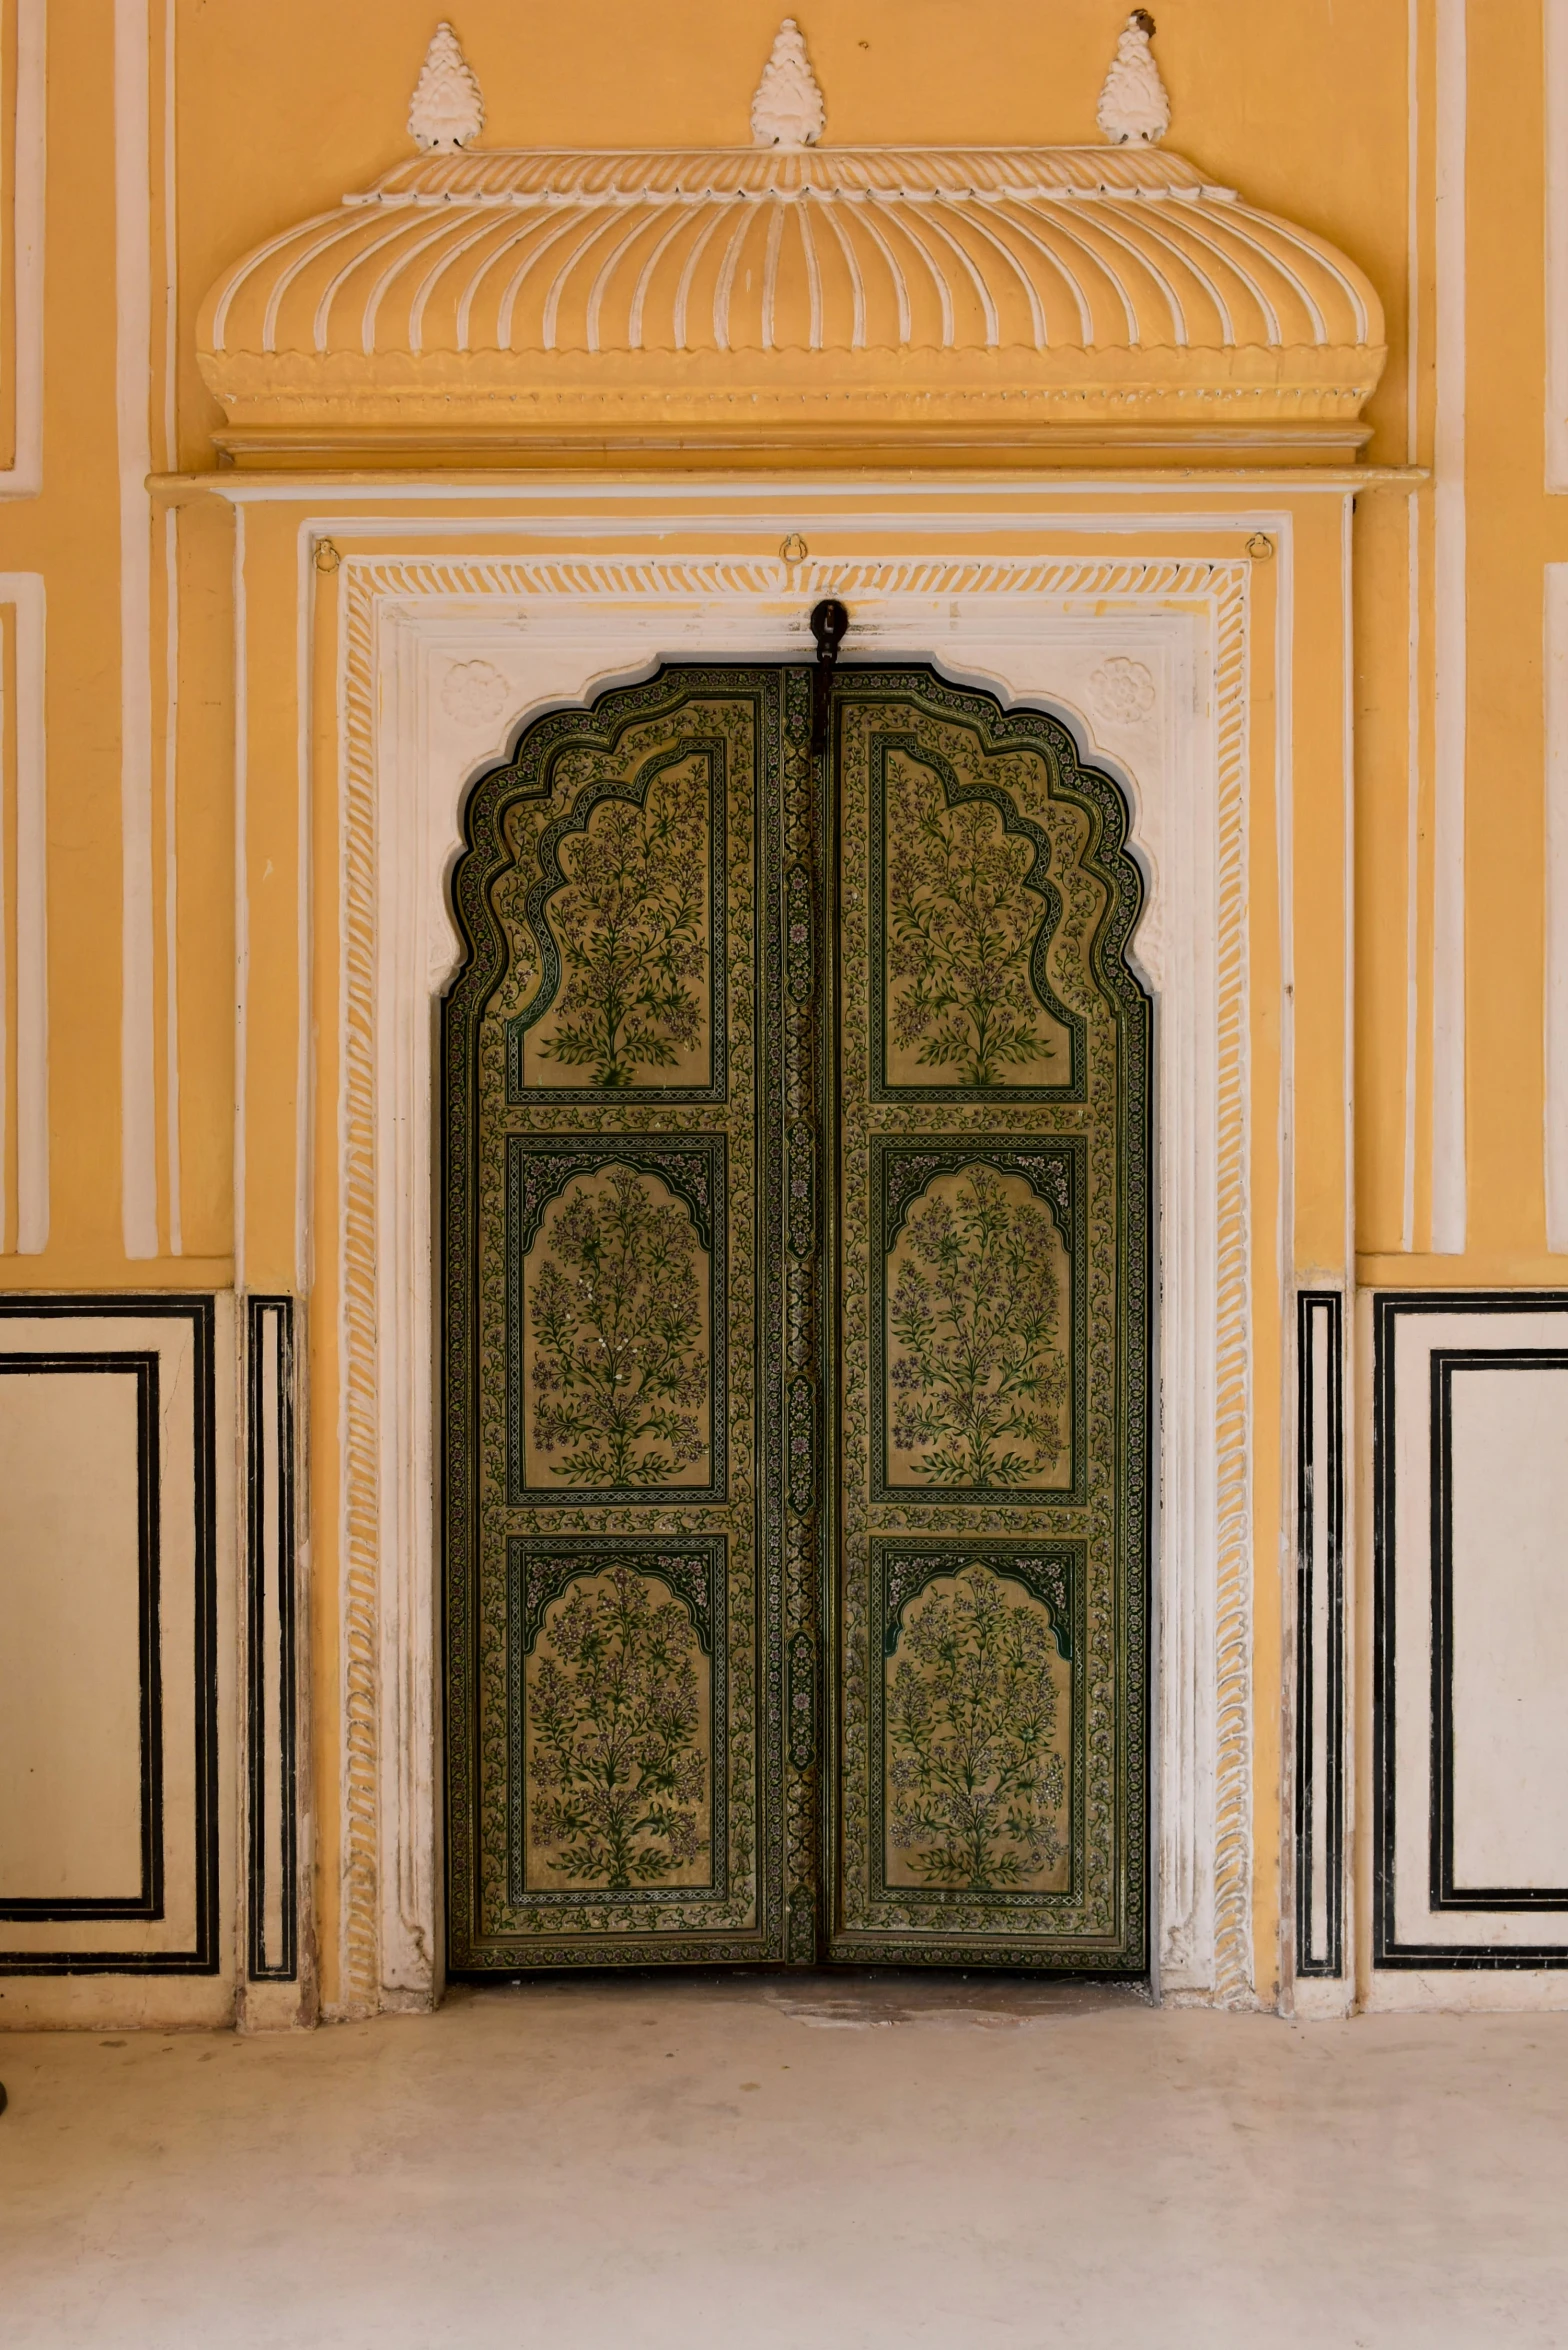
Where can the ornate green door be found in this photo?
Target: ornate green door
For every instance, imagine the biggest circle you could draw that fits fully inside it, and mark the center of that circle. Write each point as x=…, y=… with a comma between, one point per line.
x=796, y=1232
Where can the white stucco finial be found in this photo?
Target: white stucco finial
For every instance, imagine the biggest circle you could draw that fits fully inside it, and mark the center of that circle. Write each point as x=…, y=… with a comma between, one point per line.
x=446, y=110
x=787, y=110
x=1134, y=109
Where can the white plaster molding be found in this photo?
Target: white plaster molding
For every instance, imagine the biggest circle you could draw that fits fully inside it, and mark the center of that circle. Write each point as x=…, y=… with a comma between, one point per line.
x=1415, y=319
x=1134, y=108
x=1556, y=687
x=1413, y=830
x=241, y=890
x=171, y=644
x=446, y=110
x=787, y=110
x=24, y=476
x=1555, y=25
x=133, y=346
x=171, y=873
x=1449, y=651
x=24, y=592
x=474, y=693
x=1121, y=692
x=559, y=628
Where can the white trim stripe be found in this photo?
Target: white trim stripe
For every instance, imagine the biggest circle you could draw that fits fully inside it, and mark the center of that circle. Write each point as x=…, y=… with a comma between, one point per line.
x=1555, y=28
x=24, y=477
x=24, y=591
x=133, y=346
x=1449, y=1176
x=1556, y=1009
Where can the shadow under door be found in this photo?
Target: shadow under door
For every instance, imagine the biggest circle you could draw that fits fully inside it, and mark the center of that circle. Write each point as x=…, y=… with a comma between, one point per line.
x=795, y=1221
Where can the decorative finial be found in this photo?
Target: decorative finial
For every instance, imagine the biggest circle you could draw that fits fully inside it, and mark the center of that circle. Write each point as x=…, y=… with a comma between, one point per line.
x=1134, y=110
x=446, y=110
x=787, y=110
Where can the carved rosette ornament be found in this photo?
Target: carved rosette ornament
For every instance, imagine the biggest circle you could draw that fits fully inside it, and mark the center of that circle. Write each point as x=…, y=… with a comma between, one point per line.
x=784, y=300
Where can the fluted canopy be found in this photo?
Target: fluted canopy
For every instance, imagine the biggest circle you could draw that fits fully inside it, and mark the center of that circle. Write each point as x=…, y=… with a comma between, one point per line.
x=999, y=297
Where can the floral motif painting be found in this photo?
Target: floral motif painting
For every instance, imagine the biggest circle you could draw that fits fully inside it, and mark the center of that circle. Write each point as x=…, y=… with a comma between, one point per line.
x=966, y=906
x=630, y=916
x=617, y=1739
x=796, y=1256
x=617, y=1339
x=976, y=1720
x=991, y=1419
x=612, y=1124
x=977, y=1347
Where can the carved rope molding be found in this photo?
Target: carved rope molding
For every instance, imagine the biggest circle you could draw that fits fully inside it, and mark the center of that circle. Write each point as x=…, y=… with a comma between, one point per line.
x=1219, y=588
x=1233, y=1610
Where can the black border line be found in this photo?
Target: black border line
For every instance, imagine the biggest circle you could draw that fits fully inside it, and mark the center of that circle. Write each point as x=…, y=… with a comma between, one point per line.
x=1320, y=1486
x=285, y=1967
x=147, y=1902
x=1387, y=1950
x=202, y=1958
x=1445, y=1894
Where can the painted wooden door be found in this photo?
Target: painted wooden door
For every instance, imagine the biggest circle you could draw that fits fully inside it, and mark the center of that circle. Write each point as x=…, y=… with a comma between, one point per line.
x=795, y=1222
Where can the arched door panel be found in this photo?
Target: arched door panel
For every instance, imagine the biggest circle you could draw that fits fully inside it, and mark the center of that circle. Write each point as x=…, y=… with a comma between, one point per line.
x=796, y=1236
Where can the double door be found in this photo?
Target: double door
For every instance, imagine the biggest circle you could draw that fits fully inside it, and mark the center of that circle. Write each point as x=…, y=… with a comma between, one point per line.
x=795, y=1217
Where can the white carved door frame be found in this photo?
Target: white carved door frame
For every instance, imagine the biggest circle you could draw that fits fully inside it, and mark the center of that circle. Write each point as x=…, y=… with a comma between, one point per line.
x=442, y=658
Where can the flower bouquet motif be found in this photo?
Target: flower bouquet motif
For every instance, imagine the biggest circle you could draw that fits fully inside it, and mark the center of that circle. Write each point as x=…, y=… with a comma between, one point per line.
x=962, y=924
x=619, y=1366
x=618, y=1774
x=631, y=923
x=976, y=1785
x=978, y=1372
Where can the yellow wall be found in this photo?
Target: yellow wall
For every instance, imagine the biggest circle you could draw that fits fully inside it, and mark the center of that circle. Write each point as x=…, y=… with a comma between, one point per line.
x=278, y=109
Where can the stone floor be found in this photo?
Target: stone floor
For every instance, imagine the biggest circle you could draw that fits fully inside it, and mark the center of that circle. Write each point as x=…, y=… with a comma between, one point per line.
x=791, y=2164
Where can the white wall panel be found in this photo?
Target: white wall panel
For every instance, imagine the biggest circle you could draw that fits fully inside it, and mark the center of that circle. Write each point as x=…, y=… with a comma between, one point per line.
x=75, y=1688
x=1506, y=1660
x=1471, y=1631
x=117, y=1634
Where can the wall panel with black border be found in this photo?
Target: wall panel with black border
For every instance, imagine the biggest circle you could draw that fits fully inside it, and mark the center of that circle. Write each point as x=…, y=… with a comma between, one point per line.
x=1470, y=1728
x=116, y=1658
x=276, y=1991
x=1320, y=1636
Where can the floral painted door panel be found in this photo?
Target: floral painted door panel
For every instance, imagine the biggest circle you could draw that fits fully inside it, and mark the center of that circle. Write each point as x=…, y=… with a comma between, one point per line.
x=615, y=1129
x=795, y=1591
x=990, y=1279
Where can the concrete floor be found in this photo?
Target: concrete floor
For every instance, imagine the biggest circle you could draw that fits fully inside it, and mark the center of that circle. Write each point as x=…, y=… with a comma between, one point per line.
x=791, y=2164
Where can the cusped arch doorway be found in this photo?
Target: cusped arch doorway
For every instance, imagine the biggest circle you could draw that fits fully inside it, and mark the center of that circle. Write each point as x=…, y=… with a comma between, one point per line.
x=796, y=1322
